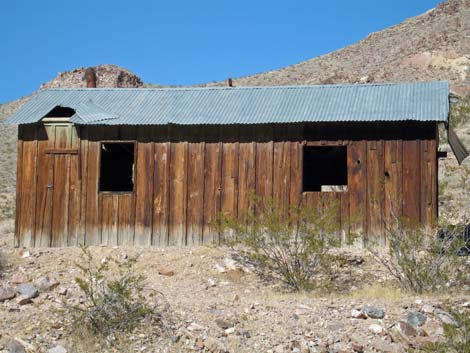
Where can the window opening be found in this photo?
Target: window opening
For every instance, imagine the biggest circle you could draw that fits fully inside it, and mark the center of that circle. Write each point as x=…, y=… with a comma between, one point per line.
x=117, y=167
x=325, y=168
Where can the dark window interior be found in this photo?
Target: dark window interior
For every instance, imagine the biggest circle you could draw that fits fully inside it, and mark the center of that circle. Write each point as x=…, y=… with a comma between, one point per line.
x=117, y=167
x=325, y=165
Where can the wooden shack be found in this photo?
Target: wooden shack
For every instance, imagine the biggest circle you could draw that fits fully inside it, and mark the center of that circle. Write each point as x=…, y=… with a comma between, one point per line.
x=156, y=166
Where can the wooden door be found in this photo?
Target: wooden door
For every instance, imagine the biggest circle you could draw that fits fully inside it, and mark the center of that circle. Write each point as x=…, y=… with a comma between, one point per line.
x=58, y=186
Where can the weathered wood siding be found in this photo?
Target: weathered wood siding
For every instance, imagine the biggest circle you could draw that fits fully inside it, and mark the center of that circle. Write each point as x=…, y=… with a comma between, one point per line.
x=186, y=176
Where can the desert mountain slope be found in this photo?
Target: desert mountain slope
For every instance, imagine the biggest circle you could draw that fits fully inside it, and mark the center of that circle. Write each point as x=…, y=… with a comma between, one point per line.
x=432, y=46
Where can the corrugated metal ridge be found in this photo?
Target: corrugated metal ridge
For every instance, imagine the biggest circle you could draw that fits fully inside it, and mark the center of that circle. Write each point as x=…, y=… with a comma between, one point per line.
x=329, y=86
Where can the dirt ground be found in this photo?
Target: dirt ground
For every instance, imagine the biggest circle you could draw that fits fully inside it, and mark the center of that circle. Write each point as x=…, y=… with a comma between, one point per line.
x=214, y=307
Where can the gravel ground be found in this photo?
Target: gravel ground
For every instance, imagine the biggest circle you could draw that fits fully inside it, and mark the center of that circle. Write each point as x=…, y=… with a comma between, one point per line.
x=216, y=311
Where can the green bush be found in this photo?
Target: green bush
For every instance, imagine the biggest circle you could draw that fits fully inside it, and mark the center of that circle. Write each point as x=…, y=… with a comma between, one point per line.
x=291, y=246
x=113, y=296
x=456, y=338
x=420, y=260
x=3, y=263
x=460, y=111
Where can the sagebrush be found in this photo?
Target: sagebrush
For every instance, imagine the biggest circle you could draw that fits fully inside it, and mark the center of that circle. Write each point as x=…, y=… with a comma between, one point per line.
x=418, y=258
x=112, y=296
x=290, y=245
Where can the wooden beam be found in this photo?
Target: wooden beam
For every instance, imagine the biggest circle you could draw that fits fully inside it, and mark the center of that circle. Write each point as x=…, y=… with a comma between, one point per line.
x=62, y=151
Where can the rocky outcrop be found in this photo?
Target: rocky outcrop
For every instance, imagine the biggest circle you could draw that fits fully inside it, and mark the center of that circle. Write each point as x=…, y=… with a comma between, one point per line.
x=107, y=76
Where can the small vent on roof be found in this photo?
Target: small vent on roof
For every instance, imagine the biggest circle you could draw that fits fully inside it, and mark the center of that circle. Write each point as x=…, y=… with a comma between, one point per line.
x=230, y=82
x=60, y=112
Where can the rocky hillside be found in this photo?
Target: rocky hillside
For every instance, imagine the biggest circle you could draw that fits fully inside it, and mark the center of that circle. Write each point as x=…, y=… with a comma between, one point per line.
x=106, y=75
x=431, y=46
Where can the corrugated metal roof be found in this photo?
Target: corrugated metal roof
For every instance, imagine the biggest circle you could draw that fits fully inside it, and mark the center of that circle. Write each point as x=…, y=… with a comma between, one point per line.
x=87, y=112
x=425, y=101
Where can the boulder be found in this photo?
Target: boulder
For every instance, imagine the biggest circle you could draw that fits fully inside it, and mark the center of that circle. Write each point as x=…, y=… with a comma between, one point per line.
x=46, y=283
x=406, y=329
x=427, y=309
x=27, y=289
x=16, y=347
x=6, y=293
x=23, y=299
x=373, y=312
x=357, y=314
x=18, y=278
x=445, y=317
x=415, y=319
x=374, y=328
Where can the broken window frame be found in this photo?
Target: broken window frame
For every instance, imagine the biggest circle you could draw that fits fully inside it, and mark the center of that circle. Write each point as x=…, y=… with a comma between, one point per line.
x=345, y=187
x=134, y=169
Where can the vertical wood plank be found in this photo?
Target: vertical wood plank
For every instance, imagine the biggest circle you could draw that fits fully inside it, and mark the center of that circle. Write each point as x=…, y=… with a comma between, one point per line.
x=282, y=168
x=161, y=193
x=92, y=226
x=411, y=182
x=434, y=143
x=296, y=156
x=178, y=188
x=28, y=185
x=246, y=171
x=357, y=173
x=83, y=161
x=125, y=219
x=61, y=193
x=212, y=180
x=45, y=179
x=109, y=218
x=75, y=190
x=428, y=181
x=264, y=163
x=106, y=202
x=375, y=184
x=18, y=238
x=195, y=172
x=344, y=215
x=229, y=184
x=144, y=187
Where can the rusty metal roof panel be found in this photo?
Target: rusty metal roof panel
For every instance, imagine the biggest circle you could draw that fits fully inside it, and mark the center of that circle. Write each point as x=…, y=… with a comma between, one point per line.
x=423, y=101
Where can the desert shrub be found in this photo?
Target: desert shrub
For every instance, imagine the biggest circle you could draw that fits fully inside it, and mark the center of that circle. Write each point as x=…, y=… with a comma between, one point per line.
x=113, y=299
x=460, y=111
x=289, y=245
x=419, y=259
x=3, y=263
x=456, y=338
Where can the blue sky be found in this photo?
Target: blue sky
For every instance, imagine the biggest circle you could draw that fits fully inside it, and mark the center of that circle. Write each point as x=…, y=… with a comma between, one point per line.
x=180, y=42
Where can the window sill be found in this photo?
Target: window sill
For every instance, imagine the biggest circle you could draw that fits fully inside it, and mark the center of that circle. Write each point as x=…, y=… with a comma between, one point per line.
x=117, y=192
x=337, y=189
